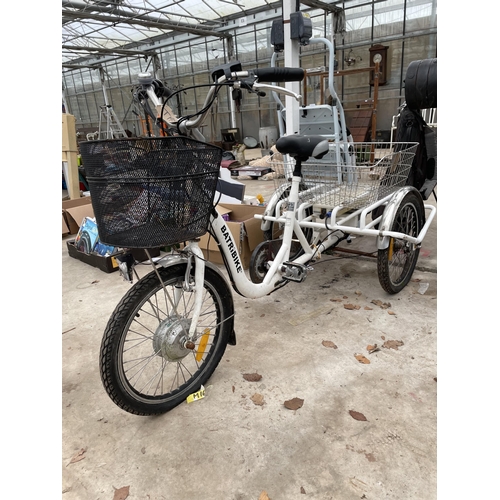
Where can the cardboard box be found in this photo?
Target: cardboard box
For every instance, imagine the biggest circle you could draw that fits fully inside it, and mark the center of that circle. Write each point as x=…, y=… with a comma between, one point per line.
x=89, y=249
x=107, y=264
x=74, y=211
x=65, y=228
x=244, y=228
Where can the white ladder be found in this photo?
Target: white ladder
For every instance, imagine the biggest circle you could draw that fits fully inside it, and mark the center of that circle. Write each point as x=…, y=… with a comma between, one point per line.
x=114, y=129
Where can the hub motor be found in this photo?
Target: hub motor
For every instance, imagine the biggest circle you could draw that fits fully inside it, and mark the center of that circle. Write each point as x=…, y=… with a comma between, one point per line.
x=169, y=340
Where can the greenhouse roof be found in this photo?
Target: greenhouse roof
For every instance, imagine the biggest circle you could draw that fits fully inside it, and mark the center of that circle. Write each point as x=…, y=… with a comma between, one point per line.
x=91, y=27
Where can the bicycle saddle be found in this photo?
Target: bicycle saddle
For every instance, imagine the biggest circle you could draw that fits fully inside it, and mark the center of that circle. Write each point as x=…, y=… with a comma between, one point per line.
x=302, y=147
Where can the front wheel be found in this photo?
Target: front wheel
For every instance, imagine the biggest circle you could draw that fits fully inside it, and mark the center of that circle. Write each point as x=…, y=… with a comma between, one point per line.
x=396, y=263
x=147, y=364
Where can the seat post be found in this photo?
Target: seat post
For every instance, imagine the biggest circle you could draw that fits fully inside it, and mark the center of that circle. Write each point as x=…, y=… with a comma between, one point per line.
x=297, y=171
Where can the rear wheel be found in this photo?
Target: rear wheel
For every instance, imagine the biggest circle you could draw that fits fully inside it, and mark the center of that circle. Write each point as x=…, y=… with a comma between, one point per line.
x=147, y=365
x=396, y=263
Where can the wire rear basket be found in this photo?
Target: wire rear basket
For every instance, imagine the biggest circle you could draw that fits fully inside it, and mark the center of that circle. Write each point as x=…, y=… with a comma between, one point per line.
x=150, y=192
x=351, y=177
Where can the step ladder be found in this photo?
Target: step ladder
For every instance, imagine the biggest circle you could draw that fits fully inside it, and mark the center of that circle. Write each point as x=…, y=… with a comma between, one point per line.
x=114, y=129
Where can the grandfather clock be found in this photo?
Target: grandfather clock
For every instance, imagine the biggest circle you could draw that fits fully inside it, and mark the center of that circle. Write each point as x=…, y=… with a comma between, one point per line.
x=378, y=53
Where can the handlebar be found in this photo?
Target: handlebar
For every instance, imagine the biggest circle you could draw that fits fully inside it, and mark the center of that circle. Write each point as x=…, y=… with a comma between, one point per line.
x=279, y=74
x=249, y=80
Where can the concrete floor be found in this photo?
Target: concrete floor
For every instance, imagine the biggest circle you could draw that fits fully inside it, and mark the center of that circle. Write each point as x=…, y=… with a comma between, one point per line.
x=227, y=447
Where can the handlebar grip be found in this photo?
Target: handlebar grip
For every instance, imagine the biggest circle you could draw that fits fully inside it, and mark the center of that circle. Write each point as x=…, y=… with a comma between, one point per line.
x=279, y=74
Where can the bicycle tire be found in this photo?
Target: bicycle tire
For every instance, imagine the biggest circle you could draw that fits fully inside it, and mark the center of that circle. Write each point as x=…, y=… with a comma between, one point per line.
x=396, y=263
x=155, y=372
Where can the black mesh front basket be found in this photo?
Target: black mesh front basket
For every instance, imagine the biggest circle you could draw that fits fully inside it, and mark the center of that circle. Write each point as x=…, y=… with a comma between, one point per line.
x=151, y=192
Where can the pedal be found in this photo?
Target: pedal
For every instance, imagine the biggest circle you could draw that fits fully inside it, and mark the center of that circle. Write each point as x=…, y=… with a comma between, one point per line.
x=295, y=272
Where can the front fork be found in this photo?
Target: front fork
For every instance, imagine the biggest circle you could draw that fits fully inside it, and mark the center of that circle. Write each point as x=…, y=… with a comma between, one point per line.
x=199, y=274
x=194, y=253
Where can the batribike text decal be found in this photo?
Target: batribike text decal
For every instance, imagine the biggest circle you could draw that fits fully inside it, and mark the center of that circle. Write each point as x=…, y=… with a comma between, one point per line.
x=232, y=249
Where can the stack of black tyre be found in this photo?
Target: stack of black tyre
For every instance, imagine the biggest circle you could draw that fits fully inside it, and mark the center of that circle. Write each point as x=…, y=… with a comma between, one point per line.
x=420, y=93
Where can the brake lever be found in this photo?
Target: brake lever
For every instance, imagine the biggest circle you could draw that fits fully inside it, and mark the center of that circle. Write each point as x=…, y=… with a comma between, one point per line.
x=275, y=88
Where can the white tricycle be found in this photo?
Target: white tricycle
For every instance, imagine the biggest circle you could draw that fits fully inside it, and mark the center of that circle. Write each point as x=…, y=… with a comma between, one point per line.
x=169, y=332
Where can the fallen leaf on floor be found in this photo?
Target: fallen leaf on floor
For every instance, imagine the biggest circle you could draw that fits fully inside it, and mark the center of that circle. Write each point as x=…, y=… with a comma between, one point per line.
x=372, y=348
x=258, y=399
x=121, y=493
x=252, y=377
x=143, y=450
x=435, y=379
x=263, y=496
x=392, y=313
x=336, y=300
x=357, y=292
x=382, y=337
x=233, y=388
x=329, y=343
x=351, y=307
x=357, y=416
x=79, y=456
x=382, y=305
x=345, y=297
x=294, y=404
x=392, y=344
x=302, y=490
x=262, y=315
x=362, y=359
x=368, y=308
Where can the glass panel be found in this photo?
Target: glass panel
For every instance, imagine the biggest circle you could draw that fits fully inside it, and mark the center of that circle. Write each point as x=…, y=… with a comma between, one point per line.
x=422, y=47
x=318, y=25
x=420, y=15
x=199, y=57
x=123, y=73
x=183, y=60
x=134, y=68
x=263, y=42
x=93, y=109
x=82, y=108
x=78, y=86
x=358, y=24
x=388, y=19
x=245, y=46
x=169, y=67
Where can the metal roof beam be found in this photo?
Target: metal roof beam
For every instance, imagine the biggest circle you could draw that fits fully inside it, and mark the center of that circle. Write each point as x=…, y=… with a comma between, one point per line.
x=82, y=66
x=102, y=50
x=317, y=4
x=143, y=10
x=119, y=16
